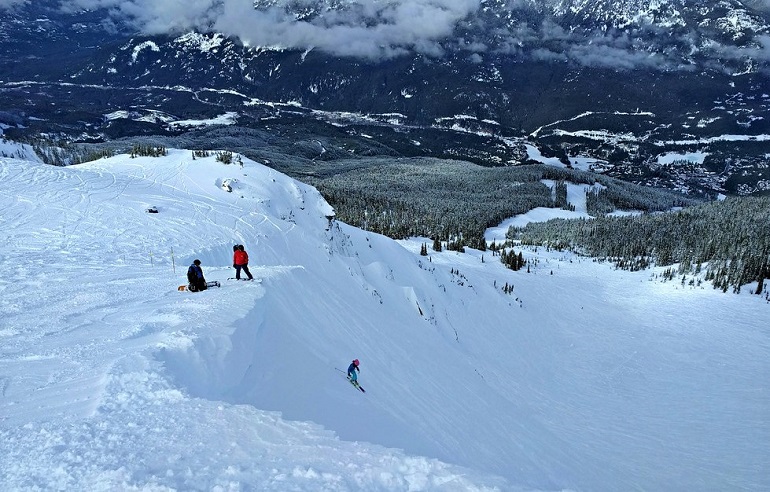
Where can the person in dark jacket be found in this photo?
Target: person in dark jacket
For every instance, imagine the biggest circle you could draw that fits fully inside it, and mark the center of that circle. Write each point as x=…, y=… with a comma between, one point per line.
x=353, y=370
x=195, y=277
x=241, y=262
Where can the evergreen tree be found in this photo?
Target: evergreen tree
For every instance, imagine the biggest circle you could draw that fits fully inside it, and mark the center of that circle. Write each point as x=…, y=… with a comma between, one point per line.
x=436, y=244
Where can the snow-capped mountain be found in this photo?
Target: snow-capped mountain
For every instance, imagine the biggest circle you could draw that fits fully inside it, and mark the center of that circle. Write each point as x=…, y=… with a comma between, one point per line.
x=578, y=30
x=572, y=376
x=732, y=18
x=620, y=82
x=672, y=34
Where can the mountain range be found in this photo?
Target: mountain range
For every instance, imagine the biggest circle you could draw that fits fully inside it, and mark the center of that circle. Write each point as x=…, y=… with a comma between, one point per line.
x=670, y=93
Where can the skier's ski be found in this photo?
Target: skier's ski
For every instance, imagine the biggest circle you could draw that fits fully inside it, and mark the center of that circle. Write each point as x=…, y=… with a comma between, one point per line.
x=213, y=283
x=257, y=280
x=354, y=383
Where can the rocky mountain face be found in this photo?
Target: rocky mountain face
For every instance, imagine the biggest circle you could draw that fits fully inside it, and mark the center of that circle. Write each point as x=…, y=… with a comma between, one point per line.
x=667, y=92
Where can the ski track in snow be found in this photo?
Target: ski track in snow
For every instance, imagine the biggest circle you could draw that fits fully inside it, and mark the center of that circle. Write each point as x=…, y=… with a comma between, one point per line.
x=583, y=378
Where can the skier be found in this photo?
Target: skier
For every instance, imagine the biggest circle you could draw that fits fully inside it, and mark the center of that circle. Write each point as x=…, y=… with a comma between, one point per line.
x=352, y=371
x=241, y=262
x=195, y=277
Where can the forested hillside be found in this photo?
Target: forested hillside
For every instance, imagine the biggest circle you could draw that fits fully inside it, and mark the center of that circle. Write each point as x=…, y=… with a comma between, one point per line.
x=729, y=240
x=457, y=201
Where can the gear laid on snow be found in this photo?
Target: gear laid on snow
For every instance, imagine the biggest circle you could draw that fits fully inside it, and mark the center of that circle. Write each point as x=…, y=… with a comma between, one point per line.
x=213, y=283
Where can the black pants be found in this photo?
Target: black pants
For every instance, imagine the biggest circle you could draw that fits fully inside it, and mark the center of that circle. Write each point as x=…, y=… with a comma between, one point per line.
x=245, y=269
x=198, y=285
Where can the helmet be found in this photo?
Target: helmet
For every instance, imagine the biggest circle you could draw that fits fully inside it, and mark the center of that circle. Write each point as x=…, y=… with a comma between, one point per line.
x=355, y=362
x=235, y=248
x=197, y=262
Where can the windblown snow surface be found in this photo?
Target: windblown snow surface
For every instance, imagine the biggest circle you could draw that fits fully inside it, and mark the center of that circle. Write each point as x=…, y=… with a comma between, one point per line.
x=584, y=378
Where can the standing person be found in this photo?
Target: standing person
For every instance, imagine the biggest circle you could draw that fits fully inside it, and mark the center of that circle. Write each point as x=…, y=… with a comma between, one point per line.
x=353, y=370
x=195, y=277
x=241, y=262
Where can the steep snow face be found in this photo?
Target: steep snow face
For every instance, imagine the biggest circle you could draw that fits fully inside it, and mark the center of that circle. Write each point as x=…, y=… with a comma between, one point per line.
x=16, y=150
x=582, y=378
x=96, y=339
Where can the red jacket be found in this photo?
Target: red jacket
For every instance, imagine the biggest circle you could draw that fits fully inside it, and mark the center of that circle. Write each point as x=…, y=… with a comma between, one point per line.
x=240, y=258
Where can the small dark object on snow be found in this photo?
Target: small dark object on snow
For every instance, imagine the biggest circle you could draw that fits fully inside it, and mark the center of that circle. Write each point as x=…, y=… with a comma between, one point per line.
x=152, y=210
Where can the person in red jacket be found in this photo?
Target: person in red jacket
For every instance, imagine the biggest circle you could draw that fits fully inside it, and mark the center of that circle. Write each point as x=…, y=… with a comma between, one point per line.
x=241, y=262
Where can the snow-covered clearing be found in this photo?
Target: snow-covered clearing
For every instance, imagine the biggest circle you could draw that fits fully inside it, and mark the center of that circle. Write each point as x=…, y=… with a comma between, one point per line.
x=673, y=157
x=584, y=378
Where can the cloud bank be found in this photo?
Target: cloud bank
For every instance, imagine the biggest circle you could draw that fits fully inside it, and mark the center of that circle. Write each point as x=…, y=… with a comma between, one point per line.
x=379, y=29
x=367, y=28
x=10, y=4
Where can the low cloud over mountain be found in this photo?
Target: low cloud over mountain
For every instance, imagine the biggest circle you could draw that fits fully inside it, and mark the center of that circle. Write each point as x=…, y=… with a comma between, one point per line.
x=9, y=4
x=626, y=34
x=367, y=28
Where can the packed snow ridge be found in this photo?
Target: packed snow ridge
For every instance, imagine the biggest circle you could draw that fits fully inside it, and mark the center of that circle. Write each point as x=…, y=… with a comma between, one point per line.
x=582, y=378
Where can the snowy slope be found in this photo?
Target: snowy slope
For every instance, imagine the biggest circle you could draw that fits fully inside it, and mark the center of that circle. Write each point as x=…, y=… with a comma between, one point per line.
x=584, y=378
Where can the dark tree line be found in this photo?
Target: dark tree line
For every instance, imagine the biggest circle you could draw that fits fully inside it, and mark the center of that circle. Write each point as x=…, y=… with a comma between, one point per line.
x=455, y=202
x=628, y=196
x=729, y=240
x=138, y=150
x=449, y=201
x=60, y=152
x=560, y=194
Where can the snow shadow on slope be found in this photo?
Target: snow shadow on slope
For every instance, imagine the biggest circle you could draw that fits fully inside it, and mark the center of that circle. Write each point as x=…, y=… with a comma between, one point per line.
x=209, y=366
